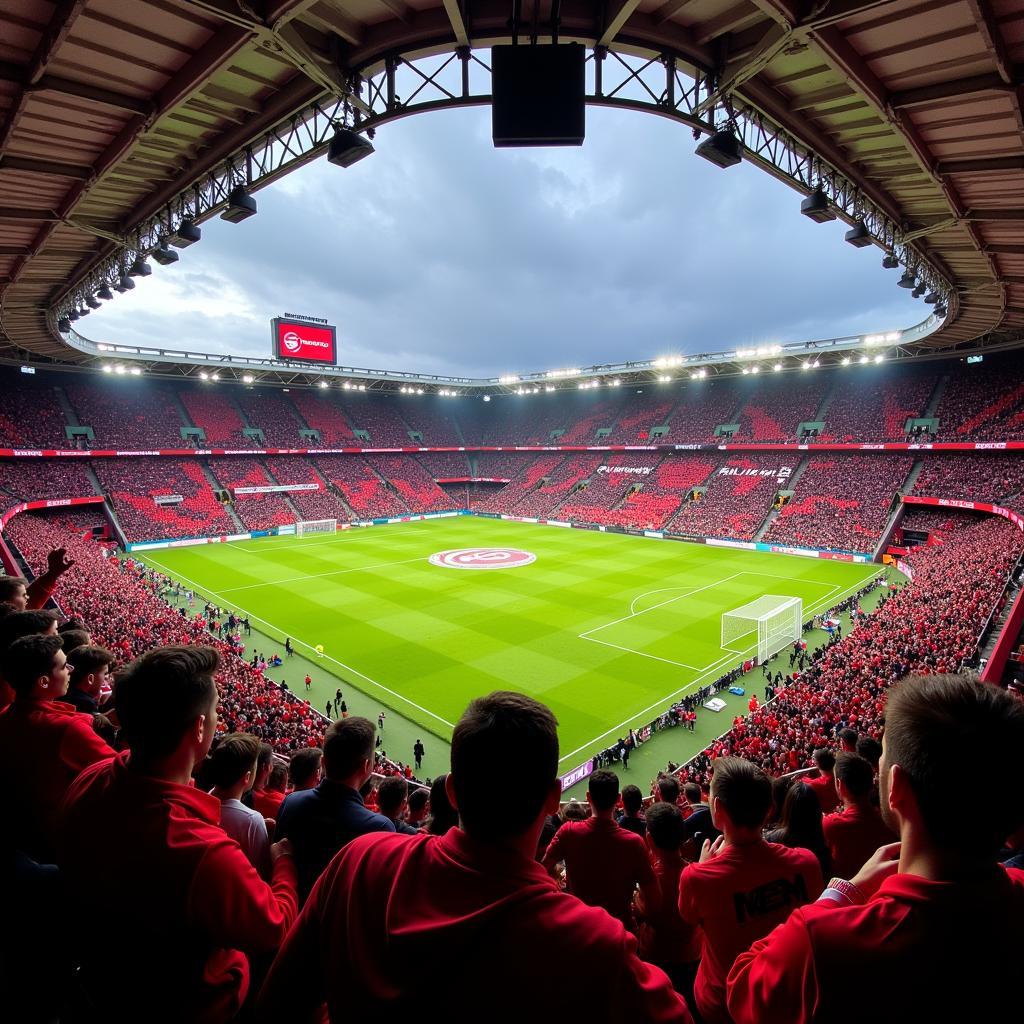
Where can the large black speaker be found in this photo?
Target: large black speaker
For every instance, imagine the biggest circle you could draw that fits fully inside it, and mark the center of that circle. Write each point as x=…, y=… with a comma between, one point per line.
x=538, y=95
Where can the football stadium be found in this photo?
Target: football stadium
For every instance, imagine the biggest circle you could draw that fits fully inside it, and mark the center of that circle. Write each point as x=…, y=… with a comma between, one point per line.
x=610, y=580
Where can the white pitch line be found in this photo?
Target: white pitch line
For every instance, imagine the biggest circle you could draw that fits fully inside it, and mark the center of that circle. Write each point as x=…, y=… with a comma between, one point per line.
x=320, y=575
x=348, y=668
x=682, y=689
x=654, y=657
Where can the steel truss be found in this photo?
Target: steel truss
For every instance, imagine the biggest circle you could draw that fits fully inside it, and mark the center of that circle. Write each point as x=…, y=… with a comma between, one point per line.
x=668, y=85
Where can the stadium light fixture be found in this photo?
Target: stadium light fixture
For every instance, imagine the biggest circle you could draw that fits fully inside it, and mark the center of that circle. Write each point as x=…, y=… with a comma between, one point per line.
x=722, y=149
x=247, y=378
x=805, y=365
x=348, y=147
x=203, y=375
x=908, y=280
x=64, y=324
x=107, y=368
x=664, y=378
x=746, y=370
x=547, y=387
x=777, y=368
x=135, y=371
x=73, y=315
x=362, y=387
x=324, y=384
x=164, y=254
x=241, y=206
x=119, y=370
x=817, y=207
x=104, y=292
x=487, y=398
x=931, y=298
x=889, y=262
x=863, y=360
x=187, y=233
x=755, y=369
x=92, y=302
x=28, y=369
x=858, y=236
x=846, y=360
x=919, y=290
x=879, y=357
x=140, y=268
x=216, y=376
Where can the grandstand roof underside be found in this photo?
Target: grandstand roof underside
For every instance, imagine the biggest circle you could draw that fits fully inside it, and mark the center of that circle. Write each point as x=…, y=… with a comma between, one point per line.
x=109, y=109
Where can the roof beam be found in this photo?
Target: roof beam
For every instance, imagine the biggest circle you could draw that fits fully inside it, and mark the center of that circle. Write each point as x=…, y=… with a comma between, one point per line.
x=957, y=88
x=26, y=213
x=454, y=11
x=616, y=19
x=725, y=22
x=1005, y=249
x=28, y=165
x=981, y=165
x=667, y=11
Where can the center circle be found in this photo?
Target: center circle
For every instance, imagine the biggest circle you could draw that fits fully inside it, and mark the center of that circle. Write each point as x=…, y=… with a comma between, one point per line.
x=482, y=558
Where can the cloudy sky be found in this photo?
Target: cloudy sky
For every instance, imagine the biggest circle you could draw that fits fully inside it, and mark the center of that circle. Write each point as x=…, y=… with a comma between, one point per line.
x=443, y=255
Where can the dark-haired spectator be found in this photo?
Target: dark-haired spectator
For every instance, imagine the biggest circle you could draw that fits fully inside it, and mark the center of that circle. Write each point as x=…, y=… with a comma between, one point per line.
x=232, y=765
x=190, y=906
x=258, y=783
x=698, y=824
x=604, y=863
x=305, y=768
x=853, y=833
x=666, y=789
x=72, y=639
x=743, y=886
x=390, y=909
x=871, y=750
x=16, y=591
x=848, y=739
x=632, y=817
x=442, y=814
x=665, y=938
x=268, y=800
x=824, y=784
x=392, y=800
x=90, y=676
x=800, y=825
x=44, y=743
x=416, y=813
x=935, y=906
x=320, y=821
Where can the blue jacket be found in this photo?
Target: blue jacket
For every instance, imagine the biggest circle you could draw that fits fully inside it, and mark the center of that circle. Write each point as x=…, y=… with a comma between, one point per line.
x=319, y=822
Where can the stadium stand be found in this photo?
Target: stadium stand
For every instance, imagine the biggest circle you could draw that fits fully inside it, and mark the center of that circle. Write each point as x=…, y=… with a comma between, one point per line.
x=841, y=502
x=415, y=486
x=257, y=511
x=318, y=504
x=776, y=408
x=981, y=477
x=380, y=417
x=132, y=483
x=274, y=415
x=536, y=469
x=663, y=491
x=127, y=414
x=323, y=414
x=446, y=465
x=35, y=479
x=435, y=421
x=598, y=502
x=30, y=414
x=217, y=415
x=639, y=414
x=875, y=405
x=737, y=500
x=365, y=492
x=544, y=500
x=703, y=405
x=982, y=403
x=501, y=465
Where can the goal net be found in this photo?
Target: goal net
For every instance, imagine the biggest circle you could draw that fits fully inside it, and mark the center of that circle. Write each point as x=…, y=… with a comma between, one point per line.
x=773, y=621
x=315, y=526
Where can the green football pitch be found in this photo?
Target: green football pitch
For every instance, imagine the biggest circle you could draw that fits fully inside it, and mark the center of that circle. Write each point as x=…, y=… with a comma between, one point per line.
x=605, y=629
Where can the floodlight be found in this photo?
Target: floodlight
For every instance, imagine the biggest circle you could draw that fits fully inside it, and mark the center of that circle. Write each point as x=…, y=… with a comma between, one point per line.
x=722, y=149
x=119, y=370
x=487, y=398
x=187, y=233
x=140, y=268
x=348, y=147
x=92, y=303
x=126, y=284
x=889, y=262
x=247, y=378
x=908, y=280
x=931, y=298
x=73, y=315
x=777, y=367
x=163, y=254
x=104, y=292
x=203, y=375
x=858, y=236
x=135, y=371
x=817, y=207
x=919, y=290
x=107, y=368
x=324, y=384
x=64, y=324
x=846, y=360
x=241, y=206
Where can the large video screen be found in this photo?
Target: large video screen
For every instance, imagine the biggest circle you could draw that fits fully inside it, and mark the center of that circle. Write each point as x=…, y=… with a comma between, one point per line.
x=296, y=339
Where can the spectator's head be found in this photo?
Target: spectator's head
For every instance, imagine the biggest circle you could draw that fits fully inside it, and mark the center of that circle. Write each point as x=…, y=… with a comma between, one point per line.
x=18, y=624
x=264, y=764
x=632, y=800
x=75, y=622
x=14, y=591
x=91, y=669
x=801, y=818
x=232, y=765
x=166, y=702
x=72, y=639
x=824, y=760
x=348, y=751
x=665, y=830
x=871, y=750
x=848, y=739
x=494, y=732
x=418, y=800
x=442, y=814
x=668, y=789
x=934, y=726
x=854, y=778
x=36, y=668
x=391, y=796
x=741, y=797
x=278, y=778
x=304, y=769
x=692, y=793
x=603, y=790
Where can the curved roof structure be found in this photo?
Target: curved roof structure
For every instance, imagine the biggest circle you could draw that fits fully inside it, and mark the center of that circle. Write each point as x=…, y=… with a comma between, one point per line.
x=118, y=120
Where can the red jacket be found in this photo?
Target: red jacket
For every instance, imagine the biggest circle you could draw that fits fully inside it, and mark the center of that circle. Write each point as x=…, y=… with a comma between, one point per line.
x=852, y=836
x=484, y=930
x=44, y=744
x=824, y=787
x=917, y=951
x=665, y=938
x=170, y=903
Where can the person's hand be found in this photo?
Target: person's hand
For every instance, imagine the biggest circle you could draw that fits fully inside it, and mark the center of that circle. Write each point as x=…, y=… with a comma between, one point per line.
x=282, y=848
x=882, y=864
x=57, y=562
x=711, y=849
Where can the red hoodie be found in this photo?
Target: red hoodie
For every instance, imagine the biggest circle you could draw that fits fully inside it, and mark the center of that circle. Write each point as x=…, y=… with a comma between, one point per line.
x=169, y=904
x=484, y=930
x=916, y=951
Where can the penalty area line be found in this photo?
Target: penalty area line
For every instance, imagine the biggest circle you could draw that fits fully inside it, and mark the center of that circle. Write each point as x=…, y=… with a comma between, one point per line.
x=348, y=668
x=320, y=575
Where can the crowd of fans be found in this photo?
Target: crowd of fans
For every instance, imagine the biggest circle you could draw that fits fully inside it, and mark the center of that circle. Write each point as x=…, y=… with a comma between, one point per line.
x=776, y=408
x=567, y=473
x=415, y=486
x=364, y=490
x=987, y=477
x=982, y=403
x=273, y=414
x=322, y=413
x=877, y=404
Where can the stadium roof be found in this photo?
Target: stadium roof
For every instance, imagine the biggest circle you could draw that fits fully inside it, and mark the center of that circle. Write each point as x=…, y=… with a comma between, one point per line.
x=117, y=120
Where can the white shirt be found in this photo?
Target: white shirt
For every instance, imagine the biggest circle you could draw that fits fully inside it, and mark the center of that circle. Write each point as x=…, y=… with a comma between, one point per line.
x=249, y=830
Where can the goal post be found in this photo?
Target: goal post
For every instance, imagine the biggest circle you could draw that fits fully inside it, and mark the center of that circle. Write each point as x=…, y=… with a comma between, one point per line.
x=773, y=621
x=315, y=526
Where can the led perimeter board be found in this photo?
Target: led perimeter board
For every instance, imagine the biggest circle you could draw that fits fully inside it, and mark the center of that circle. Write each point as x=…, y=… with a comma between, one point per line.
x=303, y=340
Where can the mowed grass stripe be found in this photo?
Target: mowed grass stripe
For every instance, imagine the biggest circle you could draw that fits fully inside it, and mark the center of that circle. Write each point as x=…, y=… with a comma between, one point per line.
x=439, y=637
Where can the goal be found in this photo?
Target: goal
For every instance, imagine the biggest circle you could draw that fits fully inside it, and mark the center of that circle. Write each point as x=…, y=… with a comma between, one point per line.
x=775, y=621
x=315, y=526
